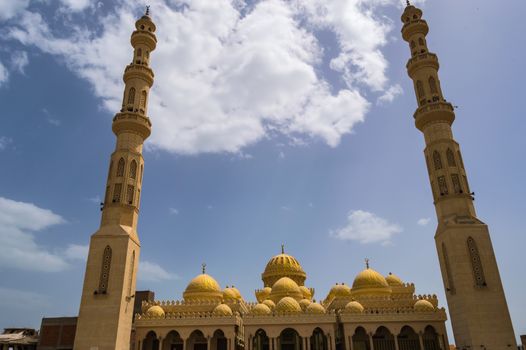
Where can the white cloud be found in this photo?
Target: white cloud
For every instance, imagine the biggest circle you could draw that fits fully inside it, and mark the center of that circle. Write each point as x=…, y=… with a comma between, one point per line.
x=19, y=61
x=4, y=74
x=5, y=142
x=173, y=211
x=423, y=221
x=366, y=227
x=18, y=248
x=77, y=252
x=10, y=8
x=391, y=93
x=152, y=272
x=76, y=5
x=226, y=79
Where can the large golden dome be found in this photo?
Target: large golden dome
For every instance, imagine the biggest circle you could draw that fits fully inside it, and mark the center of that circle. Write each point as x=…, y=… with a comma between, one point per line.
x=283, y=265
x=203, y=287
x=285, y=287
x=370, y=283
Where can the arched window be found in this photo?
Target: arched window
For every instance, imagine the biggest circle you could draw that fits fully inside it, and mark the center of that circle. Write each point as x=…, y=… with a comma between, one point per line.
x=408, y=339
x=129, y=194
x=142, y=102
x=456, y=183
x=318, y=340
x=413, y=44
x=133, y=169
x=131, y=96
x=105, y=271
x=450, y=287
x=476, y=263
x=430, y=339
x=433, y=85
x=437, y=160
x=120, y=168
x=117, y=193
x=420, y=90
x=260, y=341
x=450, y=158
x=442, y=186
x=420, y=41
x=139, y=53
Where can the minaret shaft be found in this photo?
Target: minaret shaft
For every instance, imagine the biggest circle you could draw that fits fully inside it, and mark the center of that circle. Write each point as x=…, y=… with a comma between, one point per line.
x=476, y=300
x=106, y=310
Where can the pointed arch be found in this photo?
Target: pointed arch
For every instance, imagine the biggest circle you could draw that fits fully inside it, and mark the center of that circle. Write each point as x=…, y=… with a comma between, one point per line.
x=430, y=339
x=131, y=96
x=455, y=179
x=360, y=339
x=318, y=340
x=408, y=339
x=476, y=263
x=117, y=190
x=142, y=102
x=120, y=167
x=420, y=89
x=450, y=158
x=421, y=42
x=413, y=44
x=437, y=160
x=133, y=169
x=129, y=194
x=105, y=270
x=139, y=53
x=433, y=85
x=260, y=341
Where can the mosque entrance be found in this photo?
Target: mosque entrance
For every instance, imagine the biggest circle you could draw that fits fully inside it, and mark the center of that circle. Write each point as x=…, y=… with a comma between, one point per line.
x=289, y=339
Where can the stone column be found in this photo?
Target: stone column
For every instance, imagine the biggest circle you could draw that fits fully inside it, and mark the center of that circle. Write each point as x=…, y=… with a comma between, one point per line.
x=333, y=341
x=396, y=341
x=273, y=345
x=208, y=343
x=138, y=343
x=371, y=341
x=349, y=341
x=160, y=343
x=184, y=343
x=421, y=340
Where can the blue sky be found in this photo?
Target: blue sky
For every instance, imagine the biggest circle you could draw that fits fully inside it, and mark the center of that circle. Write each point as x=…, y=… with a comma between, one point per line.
x=273, y=122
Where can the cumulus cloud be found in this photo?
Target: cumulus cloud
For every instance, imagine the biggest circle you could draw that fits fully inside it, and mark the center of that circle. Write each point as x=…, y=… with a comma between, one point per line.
x=423, y=221
x=4, y=74
x=10, y=8
x=231, y=73
x=152, y=272
x=18, y=248
x=19, y=61
x=76, y=5
x=390, y=94
x=366, y=227
x=77, y=252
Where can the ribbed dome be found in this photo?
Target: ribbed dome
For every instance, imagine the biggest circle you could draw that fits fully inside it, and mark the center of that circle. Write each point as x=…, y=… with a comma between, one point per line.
x=203, y=287
x=269, y=303
x=339, y=290
x=283, y=265
x=307, y=294
x=354, y=307
x=316, y=308
x=424, y=306
x=222, y=310
x=232, y=293
x=393, y=280
x=304, y=303
x=288, y=304
x=370, y=283
x=285, y=287
x=261, y=309
x=155, y=311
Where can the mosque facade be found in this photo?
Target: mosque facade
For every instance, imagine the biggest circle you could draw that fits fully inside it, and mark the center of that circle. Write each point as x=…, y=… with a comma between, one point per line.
x=375, y=312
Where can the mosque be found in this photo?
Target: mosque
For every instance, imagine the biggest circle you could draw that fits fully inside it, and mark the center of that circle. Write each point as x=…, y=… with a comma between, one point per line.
x=375, y=312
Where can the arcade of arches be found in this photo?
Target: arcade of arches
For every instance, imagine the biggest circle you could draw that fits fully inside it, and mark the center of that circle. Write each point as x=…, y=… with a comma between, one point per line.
x=376, y=312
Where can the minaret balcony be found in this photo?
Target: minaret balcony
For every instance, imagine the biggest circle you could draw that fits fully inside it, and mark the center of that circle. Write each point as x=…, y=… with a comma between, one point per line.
x=434, y=112
x=415, y=26
x=421, y=60
x=138, y=71
x=132, y=122
x=144, y=37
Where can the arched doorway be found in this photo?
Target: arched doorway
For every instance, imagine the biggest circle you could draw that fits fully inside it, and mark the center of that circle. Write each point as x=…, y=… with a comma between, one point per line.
x=260, y=341
x=408, y=339
x=150, y=342
x=383, y=339
x=197, y=341
x=318, y=340
x=173, y=341
x=289, y=339
x=430, y=338
x=360, y=340
x=219, y=341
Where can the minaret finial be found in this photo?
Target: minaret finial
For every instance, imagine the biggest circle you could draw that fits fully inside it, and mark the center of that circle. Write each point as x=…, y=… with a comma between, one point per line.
x=148, y=10
x=282, y=248
x=407, y=3
x=203, y=266
x=367, y=262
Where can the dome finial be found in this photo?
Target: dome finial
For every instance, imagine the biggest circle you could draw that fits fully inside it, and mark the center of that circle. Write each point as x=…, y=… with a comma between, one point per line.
x=147, y=13
x=282, y=248
x=367, y=262
x=203, y=266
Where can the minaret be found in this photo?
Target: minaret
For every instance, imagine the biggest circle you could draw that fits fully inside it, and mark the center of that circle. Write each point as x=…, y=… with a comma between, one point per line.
x=477, y=305
x=106, y=308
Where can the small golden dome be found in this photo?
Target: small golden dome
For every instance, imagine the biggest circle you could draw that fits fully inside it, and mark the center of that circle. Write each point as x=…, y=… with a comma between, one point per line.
x=340, y=291
x=316, y=308
x=232, y=293
x=203, y=287
x=423, y=305
x=307, y=294
x=304, y=303
x=222, y=310
x=283, y=265
x=155, y=311
x=393, y=280
x=354, y=307
x=285, y=287
x=261, y=309
x=370, y=283
x=269, y=303
x=288, y=304
x=263, y=294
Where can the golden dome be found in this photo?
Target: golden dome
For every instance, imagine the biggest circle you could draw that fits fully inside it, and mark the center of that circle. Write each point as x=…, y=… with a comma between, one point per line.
x=304, y=303
x=307, y=294
x=203, y=287
x=370, y=283
x=423, y=305
x=155, y=311
x=232, y=293
x=340, y=291
x=263, y=294
x=269, y=303
x=283, y=265
x=393, y=280
x=288, y=304
x=285, y=287
x=316, y=308
x=222, y=310
x=261, y=309
x=354, y=307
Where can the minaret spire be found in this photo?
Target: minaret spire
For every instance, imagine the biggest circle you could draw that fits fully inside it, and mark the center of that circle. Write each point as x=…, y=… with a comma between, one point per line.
x=477, y=304
x=109, y=282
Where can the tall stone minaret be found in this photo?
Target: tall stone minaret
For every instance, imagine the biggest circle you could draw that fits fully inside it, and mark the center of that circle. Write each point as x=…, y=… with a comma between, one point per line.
x=106, y=308
x=477, y=305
